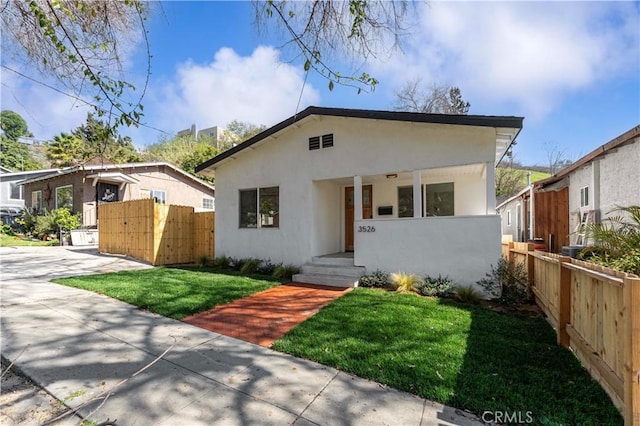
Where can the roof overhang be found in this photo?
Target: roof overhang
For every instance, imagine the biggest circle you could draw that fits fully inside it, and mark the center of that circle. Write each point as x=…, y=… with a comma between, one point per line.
x=112, y=177
x=506, y=127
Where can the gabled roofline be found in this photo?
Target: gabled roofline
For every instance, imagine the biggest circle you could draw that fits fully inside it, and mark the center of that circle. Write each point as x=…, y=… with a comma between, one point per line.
x=93, y=168
x=414, y=117
x=625, y=138
x=514, y=197
x=27, y=172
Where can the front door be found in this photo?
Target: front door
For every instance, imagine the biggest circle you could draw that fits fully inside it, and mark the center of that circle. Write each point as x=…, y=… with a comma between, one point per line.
x=349, y=214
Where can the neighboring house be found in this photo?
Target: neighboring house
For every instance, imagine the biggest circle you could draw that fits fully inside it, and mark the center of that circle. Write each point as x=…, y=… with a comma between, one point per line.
x=83, y=189
x=588, y=190
x=515, y=214
x=11, y=191
x=395, y=191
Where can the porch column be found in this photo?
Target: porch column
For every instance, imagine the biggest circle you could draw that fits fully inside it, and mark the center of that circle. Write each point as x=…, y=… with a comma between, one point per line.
x=490, y=178
x=417, y=193
x=357, y=197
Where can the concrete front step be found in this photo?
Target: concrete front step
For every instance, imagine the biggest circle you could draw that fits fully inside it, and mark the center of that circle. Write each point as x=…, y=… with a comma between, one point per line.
x=344, y=271
x=329, y=280
x=332, y=261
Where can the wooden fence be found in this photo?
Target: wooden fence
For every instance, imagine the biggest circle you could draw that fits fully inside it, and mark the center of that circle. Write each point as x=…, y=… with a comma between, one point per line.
x=596, y=313
x=160, y=234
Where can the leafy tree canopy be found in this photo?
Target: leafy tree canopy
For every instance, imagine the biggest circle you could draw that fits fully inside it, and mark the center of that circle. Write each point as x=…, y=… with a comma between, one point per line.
x=16, y=156
x=94, y=142
x=13, y=124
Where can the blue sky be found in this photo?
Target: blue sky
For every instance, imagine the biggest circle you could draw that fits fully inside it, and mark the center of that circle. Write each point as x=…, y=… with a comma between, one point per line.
x=571, y=69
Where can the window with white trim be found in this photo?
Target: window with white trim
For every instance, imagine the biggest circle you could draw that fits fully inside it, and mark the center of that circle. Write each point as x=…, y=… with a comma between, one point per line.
x=16, y=191
x=509, y=217
x=260, y=207
x=159, y=196
x=584, y=196
x=440, y=199
x=36, y=201
x=64, y=197
x=207, y=203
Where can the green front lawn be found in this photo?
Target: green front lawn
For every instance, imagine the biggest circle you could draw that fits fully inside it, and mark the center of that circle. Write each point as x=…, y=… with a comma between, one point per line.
x=173, y=292
x=13, y=241
x=468, y=357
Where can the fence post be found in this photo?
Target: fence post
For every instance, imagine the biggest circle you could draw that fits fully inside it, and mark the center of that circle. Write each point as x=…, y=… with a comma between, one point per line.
x=530, y=264
x=631, y=341
x=511, y=256
x=564, y=304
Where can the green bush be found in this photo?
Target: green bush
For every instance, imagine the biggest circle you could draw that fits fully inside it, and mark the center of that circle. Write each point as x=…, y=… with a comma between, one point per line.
x=222, y=262
x=249, y=266
x=378, y=279
x=616, y=241
x=203, y=261
x=508, y=283
x=468, y=295
x=441, y=286
x=6, y=229
x=266, y=267
x=285, y=272
x=51, y=222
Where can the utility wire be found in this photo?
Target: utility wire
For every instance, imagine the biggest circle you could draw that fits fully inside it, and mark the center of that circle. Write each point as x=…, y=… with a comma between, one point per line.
x=75, y=97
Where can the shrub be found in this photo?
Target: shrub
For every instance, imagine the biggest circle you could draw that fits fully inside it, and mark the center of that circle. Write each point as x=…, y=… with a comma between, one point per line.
x=467, y=295
x=285, y=272
x=249, y=266
x=203, y=261
x=507, y=282
x=616, y=240
x=379, y=279
x=405, y=283
x=222, y=262
x=441, y=286
x=51, y=222
x=6, y=229
x=266, y=267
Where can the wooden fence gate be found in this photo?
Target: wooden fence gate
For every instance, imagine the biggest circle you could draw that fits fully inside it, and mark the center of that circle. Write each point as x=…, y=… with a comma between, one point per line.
x=160, y=234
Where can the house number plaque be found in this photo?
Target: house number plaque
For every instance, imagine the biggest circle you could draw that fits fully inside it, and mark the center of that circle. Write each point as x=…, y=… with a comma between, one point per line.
x=366, y=229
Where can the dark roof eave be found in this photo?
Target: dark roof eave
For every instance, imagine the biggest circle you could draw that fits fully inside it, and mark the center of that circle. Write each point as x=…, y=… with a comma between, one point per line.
x=414, y=117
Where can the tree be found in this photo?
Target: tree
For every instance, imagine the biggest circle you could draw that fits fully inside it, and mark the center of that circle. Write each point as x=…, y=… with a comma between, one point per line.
x=438, y=99
x=183, y=151
x=82, y=44
x=556, y=157
x=16, y=156
x=91, y=143
x=244, y=130
x=510, y=177
x=13, y=124
x=354, y=29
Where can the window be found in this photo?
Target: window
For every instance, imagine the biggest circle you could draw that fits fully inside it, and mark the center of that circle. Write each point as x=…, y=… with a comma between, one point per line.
x=16, y=191
x=327, y=140
x=405, y=201
x=159, y=196
x=269, y=206
x=207, y=203
x=64, y=197
x=440, y=199
x=508, y=217
x=36, y=201
x=262, y=203
x=584, y=196
x=314, y=143
x=248, y=208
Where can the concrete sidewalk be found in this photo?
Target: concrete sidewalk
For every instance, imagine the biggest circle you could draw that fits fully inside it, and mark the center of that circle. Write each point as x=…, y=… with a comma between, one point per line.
x=79, y=345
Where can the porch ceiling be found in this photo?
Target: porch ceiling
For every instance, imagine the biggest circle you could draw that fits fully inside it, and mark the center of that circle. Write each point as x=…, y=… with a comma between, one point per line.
x=437, y=173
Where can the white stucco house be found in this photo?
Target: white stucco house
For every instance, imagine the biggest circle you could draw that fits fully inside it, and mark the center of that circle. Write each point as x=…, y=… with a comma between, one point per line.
x=344, y=191
x=596, y=184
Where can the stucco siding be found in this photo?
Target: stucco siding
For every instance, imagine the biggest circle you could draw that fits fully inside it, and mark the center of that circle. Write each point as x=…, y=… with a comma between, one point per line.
x=620, y=178
x=463, y=248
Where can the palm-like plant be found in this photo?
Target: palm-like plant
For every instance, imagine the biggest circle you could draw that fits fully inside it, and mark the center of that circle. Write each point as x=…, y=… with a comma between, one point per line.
x=616, y=241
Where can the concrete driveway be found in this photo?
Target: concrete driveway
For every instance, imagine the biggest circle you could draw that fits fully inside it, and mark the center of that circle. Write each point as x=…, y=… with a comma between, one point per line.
x=83, y=347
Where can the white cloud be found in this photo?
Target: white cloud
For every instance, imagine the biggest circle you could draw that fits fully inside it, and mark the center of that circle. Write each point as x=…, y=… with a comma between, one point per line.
x=527, y=54
x=259, y=89
x=46, y=111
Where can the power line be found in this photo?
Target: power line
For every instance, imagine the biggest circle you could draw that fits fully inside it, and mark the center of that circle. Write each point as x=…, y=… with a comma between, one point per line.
x=48, y=86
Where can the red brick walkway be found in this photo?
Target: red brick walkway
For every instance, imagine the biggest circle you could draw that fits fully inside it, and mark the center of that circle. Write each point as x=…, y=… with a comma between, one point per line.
x=266, y=316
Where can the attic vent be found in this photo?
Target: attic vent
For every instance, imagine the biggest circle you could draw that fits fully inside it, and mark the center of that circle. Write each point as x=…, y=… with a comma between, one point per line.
x=327, y=140
x=314, y=143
